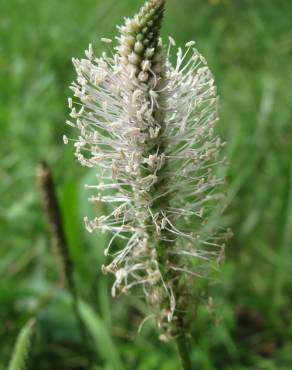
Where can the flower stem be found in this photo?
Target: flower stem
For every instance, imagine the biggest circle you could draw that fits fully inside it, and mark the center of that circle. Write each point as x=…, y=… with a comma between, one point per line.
x=54, y=217
x=184, y=352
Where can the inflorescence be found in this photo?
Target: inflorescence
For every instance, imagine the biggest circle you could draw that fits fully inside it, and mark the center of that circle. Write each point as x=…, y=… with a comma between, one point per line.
x=148, y=127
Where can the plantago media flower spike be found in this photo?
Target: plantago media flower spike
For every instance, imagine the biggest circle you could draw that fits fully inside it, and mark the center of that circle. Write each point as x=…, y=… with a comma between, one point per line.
x=148, y=127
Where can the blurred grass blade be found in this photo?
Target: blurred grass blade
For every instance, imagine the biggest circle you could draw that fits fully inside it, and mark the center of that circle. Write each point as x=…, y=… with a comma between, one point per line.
x=283, y=262
x=105, y=346
x=22, y=347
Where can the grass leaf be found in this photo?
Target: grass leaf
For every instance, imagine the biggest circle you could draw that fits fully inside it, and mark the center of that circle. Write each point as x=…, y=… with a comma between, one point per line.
x=22, y=347
x=100, y=333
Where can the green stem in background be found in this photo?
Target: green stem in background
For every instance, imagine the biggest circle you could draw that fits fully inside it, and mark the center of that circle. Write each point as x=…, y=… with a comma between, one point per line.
x=53, y=214
x=184, y=352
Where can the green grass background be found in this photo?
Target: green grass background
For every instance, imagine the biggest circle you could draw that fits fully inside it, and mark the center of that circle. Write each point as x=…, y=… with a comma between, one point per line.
x=248, y=44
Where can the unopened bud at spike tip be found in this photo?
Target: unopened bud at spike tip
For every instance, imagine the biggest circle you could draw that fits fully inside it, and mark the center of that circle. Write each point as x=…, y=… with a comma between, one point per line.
x=140, y=35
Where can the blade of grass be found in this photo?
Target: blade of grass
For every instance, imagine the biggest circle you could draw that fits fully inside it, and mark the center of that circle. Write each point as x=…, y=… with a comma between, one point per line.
x=22, y=347
x=283, y=263
x=100, y=333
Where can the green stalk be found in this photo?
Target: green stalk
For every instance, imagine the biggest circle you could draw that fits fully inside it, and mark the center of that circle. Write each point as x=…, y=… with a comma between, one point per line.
x=54, y=217
x=184, y=352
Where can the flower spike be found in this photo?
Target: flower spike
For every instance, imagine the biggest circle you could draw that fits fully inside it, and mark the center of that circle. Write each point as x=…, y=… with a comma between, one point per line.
x=148, y=126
